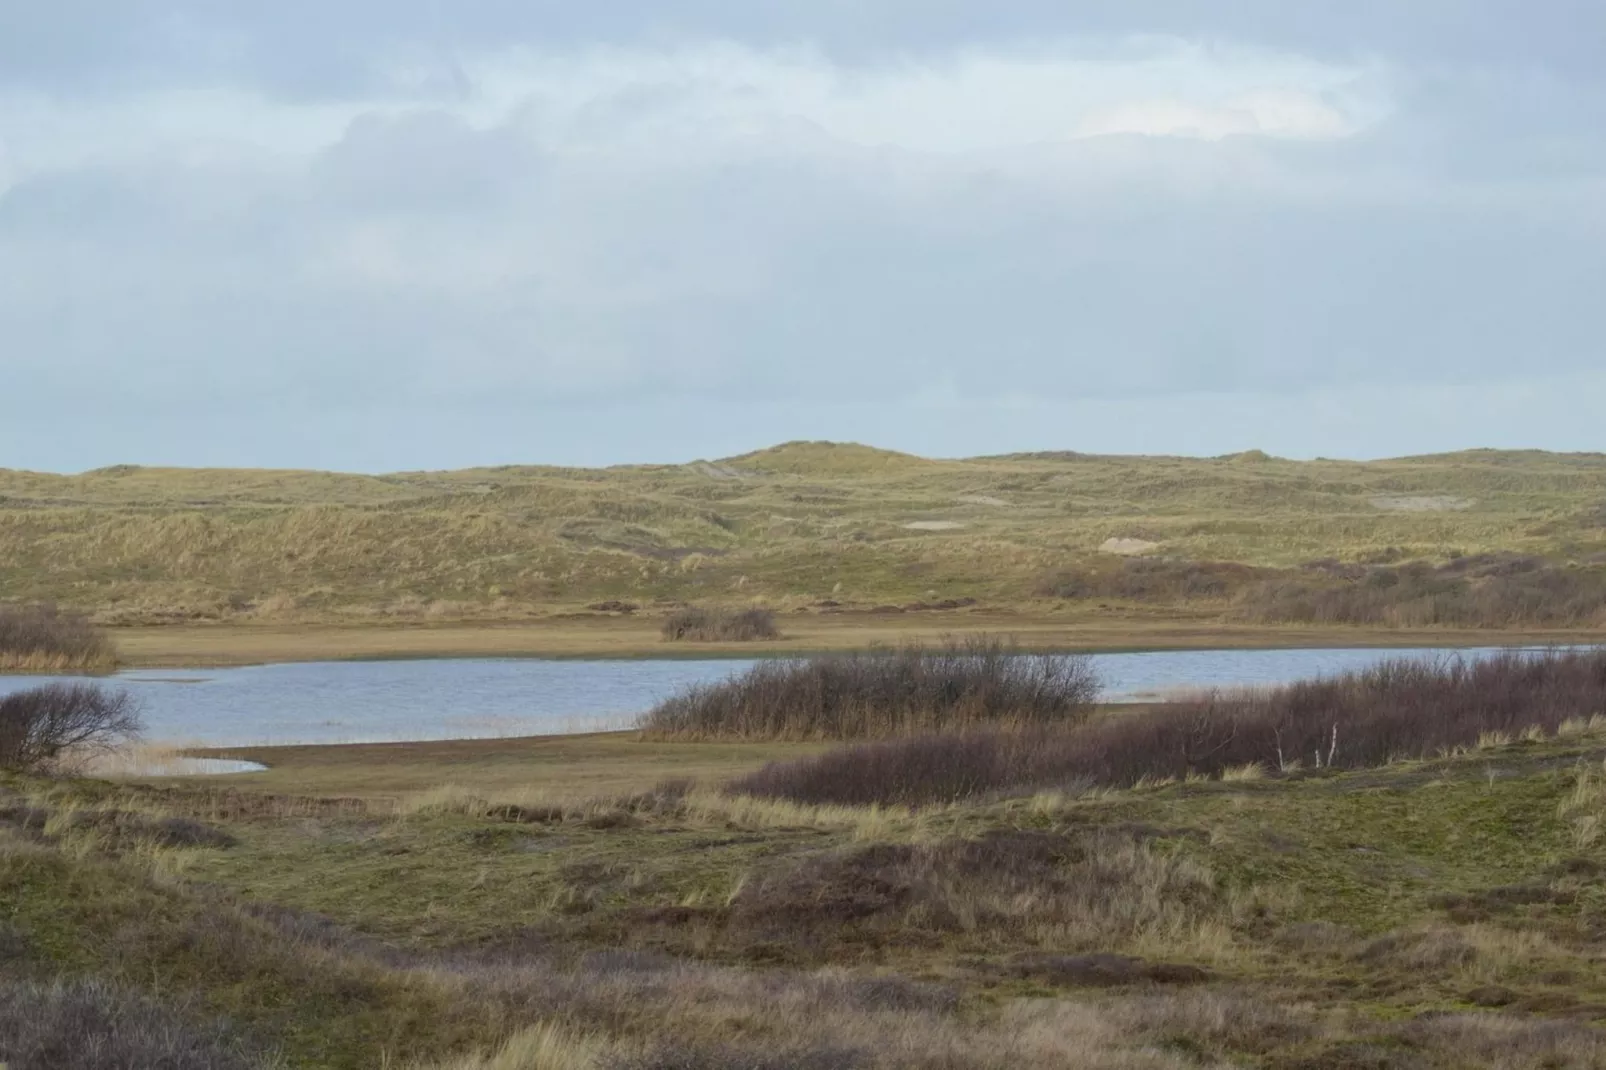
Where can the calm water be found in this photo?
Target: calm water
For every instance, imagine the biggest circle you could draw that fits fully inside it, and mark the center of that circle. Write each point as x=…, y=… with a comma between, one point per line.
x=349, y=702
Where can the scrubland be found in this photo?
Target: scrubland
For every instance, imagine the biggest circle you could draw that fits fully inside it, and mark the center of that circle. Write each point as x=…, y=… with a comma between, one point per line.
x=1476, y=540
x=1425, y=893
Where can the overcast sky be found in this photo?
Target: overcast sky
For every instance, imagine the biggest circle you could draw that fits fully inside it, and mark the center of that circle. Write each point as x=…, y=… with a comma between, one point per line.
x=433, y=233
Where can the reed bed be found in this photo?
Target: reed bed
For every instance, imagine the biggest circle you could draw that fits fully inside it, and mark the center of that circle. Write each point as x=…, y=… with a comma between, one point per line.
x=1402, y=709
x=910, y=690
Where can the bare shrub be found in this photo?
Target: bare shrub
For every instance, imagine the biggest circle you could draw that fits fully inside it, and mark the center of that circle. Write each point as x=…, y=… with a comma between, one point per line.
x=44, y=639
x=83, y=1024
x=701, y=624
x=41, y=727
x=1482, y=591
x=1153, y=580
x=963, y=683
x=1398, y=709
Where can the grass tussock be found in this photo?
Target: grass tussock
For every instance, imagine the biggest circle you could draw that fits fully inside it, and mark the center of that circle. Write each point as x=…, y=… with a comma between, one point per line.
x=1499, y=590
x=43, y=639
x=89, y=1024
x=1396, y=710
x=960, y=684
x=703, y=624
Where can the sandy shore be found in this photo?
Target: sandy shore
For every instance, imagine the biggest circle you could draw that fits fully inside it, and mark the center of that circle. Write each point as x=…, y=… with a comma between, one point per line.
x=198, y=646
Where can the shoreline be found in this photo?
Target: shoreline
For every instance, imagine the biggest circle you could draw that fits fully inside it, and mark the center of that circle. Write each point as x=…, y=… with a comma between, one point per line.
x=240, y=645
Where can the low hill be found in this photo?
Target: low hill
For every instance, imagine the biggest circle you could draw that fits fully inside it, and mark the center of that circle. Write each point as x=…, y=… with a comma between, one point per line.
x=809, y=523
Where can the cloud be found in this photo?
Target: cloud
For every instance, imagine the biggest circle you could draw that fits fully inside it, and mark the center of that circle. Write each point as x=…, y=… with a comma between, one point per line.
x=762, y=209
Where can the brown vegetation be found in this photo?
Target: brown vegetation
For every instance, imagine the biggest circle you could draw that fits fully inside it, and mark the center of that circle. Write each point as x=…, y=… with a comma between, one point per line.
x=43, y=726
x=1396, y=710
x=44, y=639
x=1483, y=591
x=87, y=1024
x=881, y=693
x=701, y=624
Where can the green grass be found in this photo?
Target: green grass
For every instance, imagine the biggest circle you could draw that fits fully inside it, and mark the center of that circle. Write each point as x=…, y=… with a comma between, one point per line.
x=791, y=526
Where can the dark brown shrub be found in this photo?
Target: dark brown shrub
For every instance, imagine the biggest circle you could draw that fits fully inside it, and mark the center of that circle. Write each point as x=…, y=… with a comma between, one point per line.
x=700, y=624
x=1398, y=709
x=40, y=727
x=43, y=639
x=962, y=684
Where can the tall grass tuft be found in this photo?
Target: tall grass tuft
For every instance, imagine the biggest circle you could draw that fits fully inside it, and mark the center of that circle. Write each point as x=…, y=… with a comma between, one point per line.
x=699, y=624
x=958, y=685
x=1400, y=709
x=44, y=639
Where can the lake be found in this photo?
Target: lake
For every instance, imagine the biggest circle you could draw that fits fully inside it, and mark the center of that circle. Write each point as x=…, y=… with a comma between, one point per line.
x=376, y=701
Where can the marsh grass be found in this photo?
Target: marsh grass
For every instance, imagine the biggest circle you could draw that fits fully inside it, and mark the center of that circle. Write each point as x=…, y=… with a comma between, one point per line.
x=1400, y=709
x=961, y=683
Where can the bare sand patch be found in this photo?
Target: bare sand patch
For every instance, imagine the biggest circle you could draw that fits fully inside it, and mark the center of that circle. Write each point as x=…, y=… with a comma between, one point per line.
x=1128, y=547
x=1426, y=503
x=981, y=499
x=933, y=525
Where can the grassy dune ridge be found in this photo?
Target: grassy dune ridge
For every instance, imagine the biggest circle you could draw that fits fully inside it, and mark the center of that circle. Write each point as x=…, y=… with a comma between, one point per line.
x=804, y=526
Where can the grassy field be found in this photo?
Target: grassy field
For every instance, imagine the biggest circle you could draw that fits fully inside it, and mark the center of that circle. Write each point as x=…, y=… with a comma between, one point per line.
x=542, y=904
x=809, y=529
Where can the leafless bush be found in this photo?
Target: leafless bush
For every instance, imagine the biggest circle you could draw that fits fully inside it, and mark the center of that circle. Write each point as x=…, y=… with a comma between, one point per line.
x=700, y=624
x=44, y=639
x=963, y=683
x=1482, y=591
x=1153, y=580
x=42, y=726
x=86, y=1024
x=1398, y=709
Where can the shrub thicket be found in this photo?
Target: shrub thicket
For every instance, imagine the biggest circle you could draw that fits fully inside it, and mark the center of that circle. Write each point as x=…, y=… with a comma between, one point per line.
x=44, y=639
x=1484, y=591
x=875, y=694
x=700, y=624
x=1399, y=709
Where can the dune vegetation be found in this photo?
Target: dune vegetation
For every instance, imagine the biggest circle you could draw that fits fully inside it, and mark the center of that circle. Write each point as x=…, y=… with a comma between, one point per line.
x=41, y=639
x=1468, y=540
x=878, y=693
x=1398, y=907
x=1395, y=711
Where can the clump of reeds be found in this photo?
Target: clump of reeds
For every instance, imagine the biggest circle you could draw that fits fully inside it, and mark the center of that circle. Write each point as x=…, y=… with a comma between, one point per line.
x=702, y=624
x=1401, y=709
x=44, y=639
x=951, y=687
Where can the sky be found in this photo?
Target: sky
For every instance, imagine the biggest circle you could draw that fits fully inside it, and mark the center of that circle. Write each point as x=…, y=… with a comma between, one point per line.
x=427, y=234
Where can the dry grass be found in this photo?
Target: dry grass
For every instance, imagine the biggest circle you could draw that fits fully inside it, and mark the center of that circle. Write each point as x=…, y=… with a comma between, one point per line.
x=797, y=527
